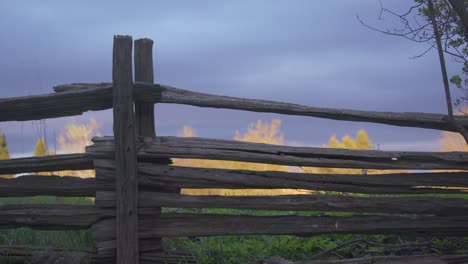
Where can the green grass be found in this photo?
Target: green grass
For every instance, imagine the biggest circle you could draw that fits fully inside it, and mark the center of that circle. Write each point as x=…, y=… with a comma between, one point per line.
x=246, y=249
x=69, y=240
x=221, y=249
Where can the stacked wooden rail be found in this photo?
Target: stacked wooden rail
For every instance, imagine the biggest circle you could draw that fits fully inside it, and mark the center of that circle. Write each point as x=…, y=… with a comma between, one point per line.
x=134, y=177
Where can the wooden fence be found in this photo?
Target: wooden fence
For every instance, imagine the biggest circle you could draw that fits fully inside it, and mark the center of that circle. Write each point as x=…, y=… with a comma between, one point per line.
x=135, y=178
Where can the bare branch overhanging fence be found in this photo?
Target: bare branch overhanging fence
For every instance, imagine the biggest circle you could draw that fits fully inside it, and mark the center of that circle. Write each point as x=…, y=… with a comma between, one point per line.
x=134, y=177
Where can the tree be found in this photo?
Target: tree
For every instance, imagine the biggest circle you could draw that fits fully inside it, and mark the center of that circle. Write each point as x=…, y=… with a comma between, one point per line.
x=4, y=154
x=443, y=25
x=452, y=142
x=74, y=138
x=362, y=141
x=40, y=150
x=260, y=132
x=460, y=8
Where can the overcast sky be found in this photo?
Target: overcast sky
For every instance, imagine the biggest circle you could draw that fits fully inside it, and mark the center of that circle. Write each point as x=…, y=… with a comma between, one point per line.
x=308, y=52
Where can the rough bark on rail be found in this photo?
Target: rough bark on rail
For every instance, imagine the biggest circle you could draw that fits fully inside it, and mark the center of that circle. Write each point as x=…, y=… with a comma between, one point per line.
x=153, y=176
x=52, y=217
x=216, y=149
x=326, y=203
x=48, y=163
x=181, y=225
x=74, y=99
x=70, y=186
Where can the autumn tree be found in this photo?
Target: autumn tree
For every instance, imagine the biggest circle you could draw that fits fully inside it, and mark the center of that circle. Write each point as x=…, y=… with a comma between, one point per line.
x=451, y=141
x=4, y=154
x=74, y=138
x=259, y=132
x=361, y=141
x=41, y=149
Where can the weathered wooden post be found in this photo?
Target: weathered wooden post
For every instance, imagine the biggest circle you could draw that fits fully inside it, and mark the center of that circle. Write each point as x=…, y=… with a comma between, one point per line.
x=125, y=154
x=144, y=112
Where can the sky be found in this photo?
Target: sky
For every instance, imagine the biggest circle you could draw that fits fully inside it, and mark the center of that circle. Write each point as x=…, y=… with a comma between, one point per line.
x=313, y=53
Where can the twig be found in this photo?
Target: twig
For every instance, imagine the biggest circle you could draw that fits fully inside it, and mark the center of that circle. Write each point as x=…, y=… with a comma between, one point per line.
x=346, y=244
x=408, y=247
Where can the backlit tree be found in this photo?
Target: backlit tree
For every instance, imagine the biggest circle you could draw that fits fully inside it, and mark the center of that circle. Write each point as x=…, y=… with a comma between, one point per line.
x=4, y=154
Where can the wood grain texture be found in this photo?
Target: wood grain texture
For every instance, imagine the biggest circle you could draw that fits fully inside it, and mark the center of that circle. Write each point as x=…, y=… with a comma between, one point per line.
x=33, y=185
x=217, y=149
x=125, y=156
x=153, y=176
x=48, y=163
x=318, y=202
x=69, y=103
x=181, y=225
x=144, y=111
x=51, y=217
x=166, y=94
x=423, y=120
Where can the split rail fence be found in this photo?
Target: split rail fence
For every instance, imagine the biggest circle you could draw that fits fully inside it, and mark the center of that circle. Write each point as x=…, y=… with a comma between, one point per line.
x=135, y=178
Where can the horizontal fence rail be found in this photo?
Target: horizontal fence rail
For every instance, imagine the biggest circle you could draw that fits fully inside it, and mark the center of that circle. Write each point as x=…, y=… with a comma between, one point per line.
x=134, y=178
x=327, y=203
x=33, y=185
x=51, y=217
x=153, y=176
x=180, y=225
x=149, y=255
x=74, y=99
x=60, y=162
x=26, y=254
x=56, y=104
x=200, y=148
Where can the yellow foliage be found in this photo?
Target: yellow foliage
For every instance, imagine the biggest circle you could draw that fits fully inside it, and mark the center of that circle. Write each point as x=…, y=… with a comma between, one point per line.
x=4, y=154
x=260, y=132
x=362, y=141
x=74, y=138
x=40, y=150
x=451, y=141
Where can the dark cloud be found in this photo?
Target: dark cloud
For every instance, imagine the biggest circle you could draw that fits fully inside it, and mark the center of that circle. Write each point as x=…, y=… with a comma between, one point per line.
x=296, y=51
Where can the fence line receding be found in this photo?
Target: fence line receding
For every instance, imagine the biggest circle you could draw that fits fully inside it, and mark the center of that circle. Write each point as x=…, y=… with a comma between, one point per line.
x=135, y=178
